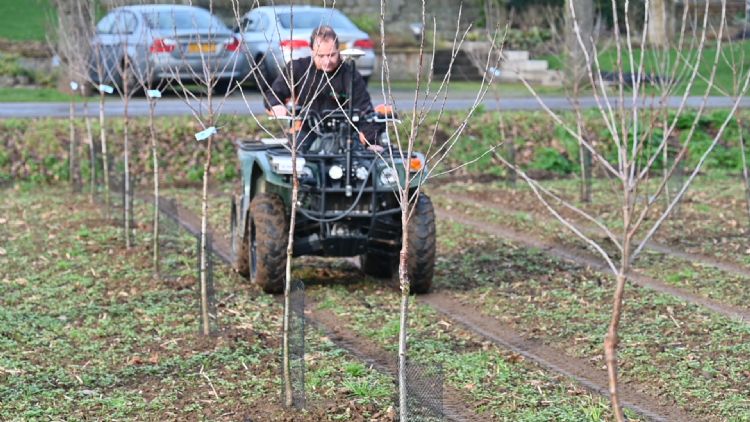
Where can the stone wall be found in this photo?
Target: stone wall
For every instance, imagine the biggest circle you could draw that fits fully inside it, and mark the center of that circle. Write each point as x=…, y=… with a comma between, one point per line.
x=403, y=64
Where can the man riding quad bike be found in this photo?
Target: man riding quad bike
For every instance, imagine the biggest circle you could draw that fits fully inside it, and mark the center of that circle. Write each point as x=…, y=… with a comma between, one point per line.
x=347, y=203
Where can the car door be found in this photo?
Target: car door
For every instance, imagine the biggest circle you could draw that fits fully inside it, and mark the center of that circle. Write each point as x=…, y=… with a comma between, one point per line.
x=113, y=41
x=98, y=63
x=252, y=34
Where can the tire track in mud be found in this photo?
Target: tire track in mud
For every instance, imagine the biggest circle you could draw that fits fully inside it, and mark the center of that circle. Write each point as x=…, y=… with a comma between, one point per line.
x=454, y=402
x=585, y=259
x=552, y=359
x=729, y=267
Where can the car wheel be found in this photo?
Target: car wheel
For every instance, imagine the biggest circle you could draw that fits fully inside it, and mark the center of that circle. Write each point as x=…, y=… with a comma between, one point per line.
x=267, y=244
x=421, y=262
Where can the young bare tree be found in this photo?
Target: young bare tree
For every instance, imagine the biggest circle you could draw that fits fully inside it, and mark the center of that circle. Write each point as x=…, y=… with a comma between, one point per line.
x=124, y=77
x=72, y=42
x=66, y=39
x=417, y=254
x=734, y=58
x=285, y=124
x=99, y=72
x=416, y=257
x=211, y=64
x=147, y=81
x=632, y=117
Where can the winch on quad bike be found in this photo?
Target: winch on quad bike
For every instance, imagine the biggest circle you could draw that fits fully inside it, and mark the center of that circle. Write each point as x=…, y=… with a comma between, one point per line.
x=347, y=204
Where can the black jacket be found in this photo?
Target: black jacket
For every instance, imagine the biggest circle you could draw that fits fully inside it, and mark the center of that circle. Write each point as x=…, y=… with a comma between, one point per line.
x=319, y=91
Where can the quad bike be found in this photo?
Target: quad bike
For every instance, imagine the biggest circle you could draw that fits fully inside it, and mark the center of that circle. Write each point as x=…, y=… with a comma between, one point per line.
x=347, y=202
x=347, y=205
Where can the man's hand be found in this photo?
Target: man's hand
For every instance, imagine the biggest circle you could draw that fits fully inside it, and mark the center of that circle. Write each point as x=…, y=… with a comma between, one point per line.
x=279, y=110
x=371, y=147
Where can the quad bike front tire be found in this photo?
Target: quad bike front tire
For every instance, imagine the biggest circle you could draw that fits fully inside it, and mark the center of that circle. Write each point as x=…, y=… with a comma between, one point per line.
x=268, y=232
x=422, y=233
x=239, y=237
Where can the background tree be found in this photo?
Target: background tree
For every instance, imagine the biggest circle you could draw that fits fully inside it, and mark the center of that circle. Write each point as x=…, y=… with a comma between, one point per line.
x=638, y=139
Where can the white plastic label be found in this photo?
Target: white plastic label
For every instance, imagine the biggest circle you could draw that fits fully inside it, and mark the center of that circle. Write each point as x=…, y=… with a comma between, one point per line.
x=106, y=88
x=153, y=93
x=74, y=85
x=205, y=134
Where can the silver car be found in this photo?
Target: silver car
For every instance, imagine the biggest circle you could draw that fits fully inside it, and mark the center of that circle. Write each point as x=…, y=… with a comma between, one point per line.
x=164, y=42
x=272, y=41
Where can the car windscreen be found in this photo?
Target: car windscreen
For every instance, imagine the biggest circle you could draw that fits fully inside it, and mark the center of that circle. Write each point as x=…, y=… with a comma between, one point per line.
x=311, y=20
x=182, y=19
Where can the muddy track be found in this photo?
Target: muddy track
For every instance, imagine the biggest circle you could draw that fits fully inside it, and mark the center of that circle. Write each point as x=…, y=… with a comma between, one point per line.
x=729, y=267
x=454, y=402
x=588, y=260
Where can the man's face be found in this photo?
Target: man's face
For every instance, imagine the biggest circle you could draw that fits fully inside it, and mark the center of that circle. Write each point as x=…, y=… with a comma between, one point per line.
x=325, y=55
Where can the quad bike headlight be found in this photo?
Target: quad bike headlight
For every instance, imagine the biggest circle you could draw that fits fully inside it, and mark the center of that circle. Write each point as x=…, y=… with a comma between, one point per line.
x=387, y=177
x=335, y=172
x=361, y=173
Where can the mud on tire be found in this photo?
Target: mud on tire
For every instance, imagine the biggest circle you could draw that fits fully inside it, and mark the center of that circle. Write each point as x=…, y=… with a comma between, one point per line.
x=239, y=237
x=268, y=233
x=421, y=263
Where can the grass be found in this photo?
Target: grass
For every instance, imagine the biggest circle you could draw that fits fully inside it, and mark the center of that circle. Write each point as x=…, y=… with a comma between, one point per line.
x=663, y=63
x=676, y=349
x=497, y=384
x=25, y=95
x=24, y=19
x=87, y=333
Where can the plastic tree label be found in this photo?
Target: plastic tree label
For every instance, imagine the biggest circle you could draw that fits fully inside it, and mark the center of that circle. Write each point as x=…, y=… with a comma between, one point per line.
x=74, y=85
x=106, y=88
x=153, y=93
x=205, y=134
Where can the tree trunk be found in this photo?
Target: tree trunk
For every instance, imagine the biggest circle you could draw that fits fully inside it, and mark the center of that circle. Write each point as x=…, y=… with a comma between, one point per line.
x=287, y=370
x=610, y=347
x=92, y=150
x=105, y=157
x=403, y=276
x=581, y=20
x=155, y=157
x=205, y=322
x=126, y=182
x=658, y=30
x=74, y=178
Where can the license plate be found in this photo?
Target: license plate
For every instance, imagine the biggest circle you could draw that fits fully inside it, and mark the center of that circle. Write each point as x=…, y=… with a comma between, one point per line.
x=196, y=48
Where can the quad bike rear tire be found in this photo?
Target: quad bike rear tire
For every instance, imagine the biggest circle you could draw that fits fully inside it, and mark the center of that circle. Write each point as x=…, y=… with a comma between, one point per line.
x=268, y=234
